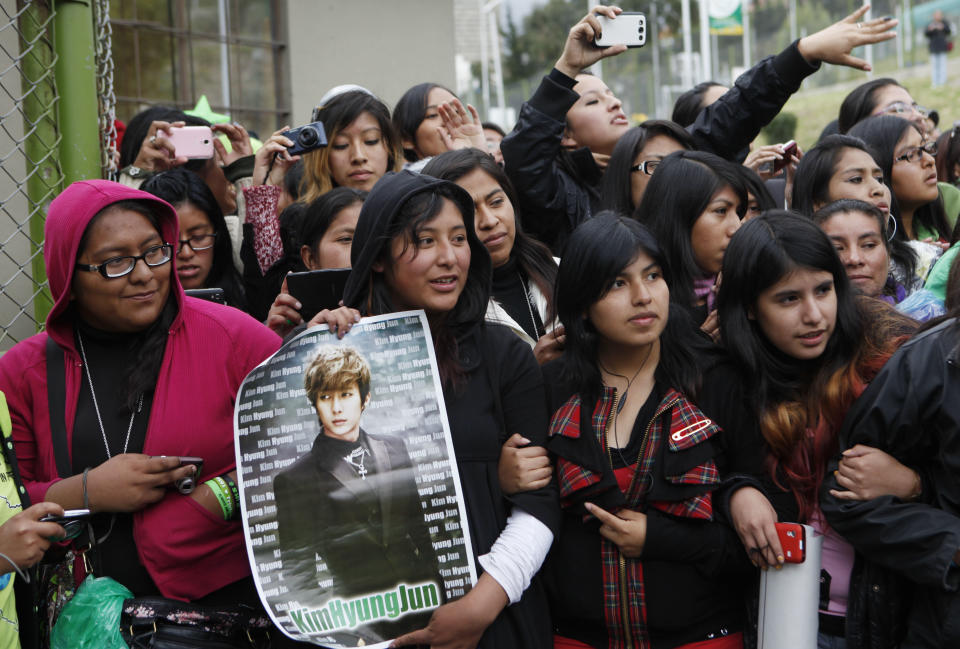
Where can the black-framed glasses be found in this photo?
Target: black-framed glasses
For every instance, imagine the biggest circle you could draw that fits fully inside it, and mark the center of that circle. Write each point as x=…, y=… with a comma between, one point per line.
x=915, y=154
x=120, y=266
x=647, y=166
x=198, y=242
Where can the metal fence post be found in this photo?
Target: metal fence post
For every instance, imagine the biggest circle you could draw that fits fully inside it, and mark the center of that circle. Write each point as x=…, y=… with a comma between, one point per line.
x=76, y=73
x=41, y=138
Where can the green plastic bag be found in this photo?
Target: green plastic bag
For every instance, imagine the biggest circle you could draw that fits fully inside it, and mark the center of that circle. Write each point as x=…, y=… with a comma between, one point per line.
x=91, y=620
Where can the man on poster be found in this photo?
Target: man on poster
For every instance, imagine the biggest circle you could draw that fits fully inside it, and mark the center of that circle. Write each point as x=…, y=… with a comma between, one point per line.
x=349, y=518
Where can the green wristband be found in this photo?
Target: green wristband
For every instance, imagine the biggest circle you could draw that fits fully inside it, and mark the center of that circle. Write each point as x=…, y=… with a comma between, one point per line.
x=225, y=506
x=234, y=491
x=228, y=497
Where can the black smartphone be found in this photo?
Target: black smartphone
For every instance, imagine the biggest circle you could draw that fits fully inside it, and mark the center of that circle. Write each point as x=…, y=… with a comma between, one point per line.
x=72, y=522
x=317, y=290
x=187, y=484
x=209, y=294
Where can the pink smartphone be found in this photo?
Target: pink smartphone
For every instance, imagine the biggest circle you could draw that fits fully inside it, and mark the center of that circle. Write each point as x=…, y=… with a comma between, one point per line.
x=789, y=151
x=195, y=142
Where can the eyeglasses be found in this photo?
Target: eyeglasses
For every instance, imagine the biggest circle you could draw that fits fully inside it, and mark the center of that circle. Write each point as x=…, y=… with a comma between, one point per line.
x=899, y=108
x=120, y=266
x=647, y=166
x=198, y=242
x=915, y=154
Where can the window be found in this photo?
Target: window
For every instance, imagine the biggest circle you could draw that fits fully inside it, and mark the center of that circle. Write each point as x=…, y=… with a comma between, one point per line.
x=172, y=52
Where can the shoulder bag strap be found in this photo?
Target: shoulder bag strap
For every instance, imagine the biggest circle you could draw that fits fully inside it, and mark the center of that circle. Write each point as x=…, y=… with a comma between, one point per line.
x=57, y=396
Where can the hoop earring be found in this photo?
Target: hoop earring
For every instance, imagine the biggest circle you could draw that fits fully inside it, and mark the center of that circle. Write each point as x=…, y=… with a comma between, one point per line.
x=894, y=231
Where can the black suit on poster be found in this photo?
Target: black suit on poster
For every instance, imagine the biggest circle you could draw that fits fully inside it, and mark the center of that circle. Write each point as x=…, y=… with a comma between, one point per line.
x=369, y=532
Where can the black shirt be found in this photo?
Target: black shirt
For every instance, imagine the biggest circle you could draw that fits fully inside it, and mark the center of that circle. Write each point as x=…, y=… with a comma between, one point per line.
x=511, y=290
x=109, y=356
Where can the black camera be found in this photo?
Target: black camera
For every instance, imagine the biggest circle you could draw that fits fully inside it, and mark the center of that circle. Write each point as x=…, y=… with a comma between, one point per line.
x=306, y=138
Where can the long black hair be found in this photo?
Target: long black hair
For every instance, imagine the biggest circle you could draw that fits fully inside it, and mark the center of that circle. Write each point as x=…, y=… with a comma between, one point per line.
x=596, y=253
x=678, y=194
x=811, y=187
x=316, y=217
x=758, y=189
x=533, y=257
x=790, y=396
x=179, y=187
x=409, y=112
x=615, y=191
x=397, y=209
x=762, y=252
x=860, y=103
x=882, y=133
x=948, y=155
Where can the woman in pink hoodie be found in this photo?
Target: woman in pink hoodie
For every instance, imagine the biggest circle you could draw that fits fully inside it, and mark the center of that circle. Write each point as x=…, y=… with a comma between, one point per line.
x=148, y=375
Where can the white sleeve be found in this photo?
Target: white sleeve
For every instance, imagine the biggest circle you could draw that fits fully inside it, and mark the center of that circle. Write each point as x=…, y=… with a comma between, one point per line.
x=518, y=553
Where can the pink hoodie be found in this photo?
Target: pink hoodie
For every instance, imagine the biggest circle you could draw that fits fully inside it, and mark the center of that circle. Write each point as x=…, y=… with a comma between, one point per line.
x=188, y=551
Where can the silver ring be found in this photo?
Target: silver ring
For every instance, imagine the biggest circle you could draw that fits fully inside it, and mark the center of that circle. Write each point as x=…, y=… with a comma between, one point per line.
x=153, y=139
x=859, y=25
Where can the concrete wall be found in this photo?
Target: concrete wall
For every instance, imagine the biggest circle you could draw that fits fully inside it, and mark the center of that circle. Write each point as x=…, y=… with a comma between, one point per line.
x=386, y=46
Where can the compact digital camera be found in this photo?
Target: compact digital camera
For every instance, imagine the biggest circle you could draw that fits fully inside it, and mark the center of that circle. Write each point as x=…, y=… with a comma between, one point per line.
x=187, y=484
x=306, y=138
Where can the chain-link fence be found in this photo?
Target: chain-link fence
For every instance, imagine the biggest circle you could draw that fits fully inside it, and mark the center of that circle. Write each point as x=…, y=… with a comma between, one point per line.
x=31, y=139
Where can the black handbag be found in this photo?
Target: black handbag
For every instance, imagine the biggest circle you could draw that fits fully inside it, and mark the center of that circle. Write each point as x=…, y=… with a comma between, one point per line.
x=161, y=623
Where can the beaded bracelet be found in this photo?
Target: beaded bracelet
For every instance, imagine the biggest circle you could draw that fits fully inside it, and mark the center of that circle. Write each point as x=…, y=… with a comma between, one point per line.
x=226, y=506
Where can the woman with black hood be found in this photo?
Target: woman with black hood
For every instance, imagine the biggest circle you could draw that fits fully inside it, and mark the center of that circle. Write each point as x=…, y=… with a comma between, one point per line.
x=415, y=247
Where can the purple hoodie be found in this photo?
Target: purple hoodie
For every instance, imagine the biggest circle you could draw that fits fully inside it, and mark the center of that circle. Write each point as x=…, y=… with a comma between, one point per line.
x=188, y=551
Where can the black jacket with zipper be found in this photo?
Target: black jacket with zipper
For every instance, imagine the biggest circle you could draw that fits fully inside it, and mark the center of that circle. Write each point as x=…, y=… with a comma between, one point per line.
x=911, y=410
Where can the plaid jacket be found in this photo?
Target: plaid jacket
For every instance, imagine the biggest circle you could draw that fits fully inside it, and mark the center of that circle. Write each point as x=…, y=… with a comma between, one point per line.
x=674, y=473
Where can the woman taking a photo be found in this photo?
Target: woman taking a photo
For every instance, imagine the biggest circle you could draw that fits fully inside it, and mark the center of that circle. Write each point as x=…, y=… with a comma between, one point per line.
x=362, y=145
x=524, y=271
x=144, y=370
x=806, y=348
x=639, y=450
x=416, y=247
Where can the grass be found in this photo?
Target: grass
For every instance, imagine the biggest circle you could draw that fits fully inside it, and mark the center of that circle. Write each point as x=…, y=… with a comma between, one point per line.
x=816, y=107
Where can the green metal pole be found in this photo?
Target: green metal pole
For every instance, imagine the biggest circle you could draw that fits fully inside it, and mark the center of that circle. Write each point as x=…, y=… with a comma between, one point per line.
x=44, y=179
x=76, y=74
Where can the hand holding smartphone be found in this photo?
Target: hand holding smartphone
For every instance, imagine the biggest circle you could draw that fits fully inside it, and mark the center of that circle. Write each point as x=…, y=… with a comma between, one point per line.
x=193, y=142
x=793, y=541
x=317, y=290
x=629, y=28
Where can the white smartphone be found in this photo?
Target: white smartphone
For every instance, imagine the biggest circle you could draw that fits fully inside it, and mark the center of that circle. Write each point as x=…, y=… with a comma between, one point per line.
x=629, y=28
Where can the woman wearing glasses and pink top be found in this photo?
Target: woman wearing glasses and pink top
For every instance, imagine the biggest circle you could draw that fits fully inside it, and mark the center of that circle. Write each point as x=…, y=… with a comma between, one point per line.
x=149, y=375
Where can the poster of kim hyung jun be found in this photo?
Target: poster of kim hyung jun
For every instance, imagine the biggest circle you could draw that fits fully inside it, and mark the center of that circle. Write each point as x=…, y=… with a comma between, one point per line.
x=352, y=507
